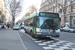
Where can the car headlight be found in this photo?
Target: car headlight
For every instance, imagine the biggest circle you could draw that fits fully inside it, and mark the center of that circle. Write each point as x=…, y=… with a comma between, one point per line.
x=58, y=30
x=38, y=30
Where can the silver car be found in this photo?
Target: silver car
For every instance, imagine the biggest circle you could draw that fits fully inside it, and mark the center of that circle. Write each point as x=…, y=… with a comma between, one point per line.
x=72, y=30
x=22, y=26
x=66, y=29
x=16, y=27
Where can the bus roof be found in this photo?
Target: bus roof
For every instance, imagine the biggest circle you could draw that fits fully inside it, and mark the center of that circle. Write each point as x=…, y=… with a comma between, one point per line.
x=37, y=14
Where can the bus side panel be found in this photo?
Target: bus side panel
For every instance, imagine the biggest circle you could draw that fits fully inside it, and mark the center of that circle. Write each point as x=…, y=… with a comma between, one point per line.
x=34, y=30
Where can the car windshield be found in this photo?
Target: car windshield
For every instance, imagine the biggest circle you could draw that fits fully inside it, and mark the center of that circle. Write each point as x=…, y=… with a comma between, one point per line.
x=66, y=27
x=22, y=25
x=46, y=22
x=16, y=26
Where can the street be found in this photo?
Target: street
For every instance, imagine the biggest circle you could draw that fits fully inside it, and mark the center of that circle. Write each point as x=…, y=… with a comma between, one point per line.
x=19, y=40
x=67, y=36
x=10, y=40
x=63, y=43
x=36, y=24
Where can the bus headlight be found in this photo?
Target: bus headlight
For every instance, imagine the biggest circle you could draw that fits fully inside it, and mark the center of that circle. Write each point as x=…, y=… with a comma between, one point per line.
x=38, y=30
x=58, y=30
x=38, y=33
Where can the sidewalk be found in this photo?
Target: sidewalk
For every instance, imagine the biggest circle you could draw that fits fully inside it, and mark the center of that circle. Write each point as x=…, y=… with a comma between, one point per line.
x=10, y=40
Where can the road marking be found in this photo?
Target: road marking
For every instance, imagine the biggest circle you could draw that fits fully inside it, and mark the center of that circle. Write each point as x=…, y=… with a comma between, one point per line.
x=22, y=42
x=27, y=34
x=41, y=44
x=38, y=41
x=47, y=48
x=22, y=30
x=54, y=44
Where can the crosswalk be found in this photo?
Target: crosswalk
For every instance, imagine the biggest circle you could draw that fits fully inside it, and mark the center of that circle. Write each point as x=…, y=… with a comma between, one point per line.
x=54, y=44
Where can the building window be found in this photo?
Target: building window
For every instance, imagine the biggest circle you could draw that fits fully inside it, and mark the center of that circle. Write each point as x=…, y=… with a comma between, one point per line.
x=71, y=8
x=65, y=2
x=72, y=1
x=65, y=11
x=56, y=10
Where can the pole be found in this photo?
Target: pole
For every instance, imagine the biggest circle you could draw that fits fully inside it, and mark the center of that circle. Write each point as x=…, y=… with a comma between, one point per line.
x=14, y=14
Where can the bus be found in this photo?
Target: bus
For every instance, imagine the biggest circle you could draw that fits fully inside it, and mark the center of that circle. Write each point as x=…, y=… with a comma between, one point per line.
x=43, y=24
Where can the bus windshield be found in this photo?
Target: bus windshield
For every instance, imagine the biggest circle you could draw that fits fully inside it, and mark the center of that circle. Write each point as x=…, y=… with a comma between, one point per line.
x=47, y=22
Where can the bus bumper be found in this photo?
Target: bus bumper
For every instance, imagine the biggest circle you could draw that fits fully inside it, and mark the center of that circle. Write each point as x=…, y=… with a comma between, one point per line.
x=46, y=34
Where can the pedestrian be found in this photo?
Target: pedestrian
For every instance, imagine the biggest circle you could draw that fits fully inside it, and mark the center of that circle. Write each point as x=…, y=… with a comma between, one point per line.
x=8, y=26
x=4, y=26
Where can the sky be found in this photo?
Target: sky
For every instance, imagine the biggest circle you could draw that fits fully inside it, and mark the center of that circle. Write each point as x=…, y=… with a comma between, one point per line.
x=26, y=4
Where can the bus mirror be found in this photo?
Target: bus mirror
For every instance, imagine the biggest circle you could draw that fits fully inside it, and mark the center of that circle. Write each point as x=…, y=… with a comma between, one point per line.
x=59, y=19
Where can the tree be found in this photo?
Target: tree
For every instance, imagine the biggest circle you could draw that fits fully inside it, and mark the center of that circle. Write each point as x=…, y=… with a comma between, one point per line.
x=27, y=14
x=15, y=7
x=32, y=9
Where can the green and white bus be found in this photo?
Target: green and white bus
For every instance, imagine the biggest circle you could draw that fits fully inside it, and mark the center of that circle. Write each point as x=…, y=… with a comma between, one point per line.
x=43, y=24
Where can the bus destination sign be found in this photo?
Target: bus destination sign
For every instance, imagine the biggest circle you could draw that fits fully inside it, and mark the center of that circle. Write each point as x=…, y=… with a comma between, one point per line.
x=49, y=14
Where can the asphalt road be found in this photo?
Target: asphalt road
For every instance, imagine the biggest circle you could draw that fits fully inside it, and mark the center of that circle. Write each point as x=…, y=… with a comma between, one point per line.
x=64, y=42
x=19, y=40
x=67, y=36
x=10, y=40
x=29, y=42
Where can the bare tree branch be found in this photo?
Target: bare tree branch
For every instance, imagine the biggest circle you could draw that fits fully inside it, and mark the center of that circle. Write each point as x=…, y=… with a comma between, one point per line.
x=15, y=8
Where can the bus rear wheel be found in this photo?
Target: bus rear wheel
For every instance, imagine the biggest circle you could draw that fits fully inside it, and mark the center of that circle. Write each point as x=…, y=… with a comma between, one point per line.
x=31, y=33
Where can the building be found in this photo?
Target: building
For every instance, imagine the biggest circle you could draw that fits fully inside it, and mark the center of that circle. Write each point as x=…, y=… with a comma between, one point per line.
x=5, y=15
x=8, y=14
x=66, y=9
x=2, y=12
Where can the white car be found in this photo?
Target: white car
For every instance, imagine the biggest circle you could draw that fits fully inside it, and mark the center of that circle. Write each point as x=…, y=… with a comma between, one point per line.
x=66, y=29
x=72, y=30
x=16, y=27
x=22, y=26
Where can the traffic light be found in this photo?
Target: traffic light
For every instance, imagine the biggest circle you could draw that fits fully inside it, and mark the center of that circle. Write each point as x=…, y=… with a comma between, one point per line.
x=13, y=21
x=13, y=18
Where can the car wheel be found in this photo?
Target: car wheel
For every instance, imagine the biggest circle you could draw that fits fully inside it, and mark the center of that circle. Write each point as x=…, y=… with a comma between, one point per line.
x=69, y=31
x=64, y=30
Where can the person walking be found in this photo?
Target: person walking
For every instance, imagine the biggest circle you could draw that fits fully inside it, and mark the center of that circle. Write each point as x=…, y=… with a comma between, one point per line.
x=8, y=26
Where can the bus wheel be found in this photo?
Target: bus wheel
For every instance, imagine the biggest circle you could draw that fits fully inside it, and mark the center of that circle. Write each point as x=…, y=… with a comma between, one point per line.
x=25, y=31
x=32, y=34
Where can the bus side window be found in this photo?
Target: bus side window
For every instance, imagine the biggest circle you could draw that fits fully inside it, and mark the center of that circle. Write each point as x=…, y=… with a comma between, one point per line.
x=31, y=24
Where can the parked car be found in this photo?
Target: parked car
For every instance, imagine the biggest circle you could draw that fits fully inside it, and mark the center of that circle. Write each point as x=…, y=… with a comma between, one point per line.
x=22, y=26
x=66, y=29
x=61, y=29
x=16, y=27
x=72, y=29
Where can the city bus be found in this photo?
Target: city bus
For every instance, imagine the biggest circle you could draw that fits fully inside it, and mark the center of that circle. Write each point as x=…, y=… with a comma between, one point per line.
x=43, y=24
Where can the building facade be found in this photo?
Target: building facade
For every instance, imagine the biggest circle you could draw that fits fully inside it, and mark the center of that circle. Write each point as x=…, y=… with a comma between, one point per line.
x=5, y=15
x=65, y=8
x=2, y=11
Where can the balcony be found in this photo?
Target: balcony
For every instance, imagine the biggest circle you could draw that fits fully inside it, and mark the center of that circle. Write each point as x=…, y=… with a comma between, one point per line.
x=72, y=2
